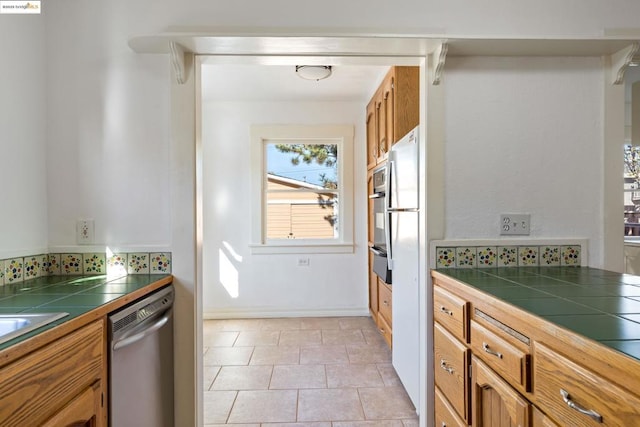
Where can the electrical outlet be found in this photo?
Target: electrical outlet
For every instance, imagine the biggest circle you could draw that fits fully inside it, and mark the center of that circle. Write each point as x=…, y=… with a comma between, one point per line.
x=84, y=231
x=515, y=224
x=303, y=262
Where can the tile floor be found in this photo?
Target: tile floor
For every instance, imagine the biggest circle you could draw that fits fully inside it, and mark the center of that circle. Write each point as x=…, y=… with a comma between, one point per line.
x=317, y=372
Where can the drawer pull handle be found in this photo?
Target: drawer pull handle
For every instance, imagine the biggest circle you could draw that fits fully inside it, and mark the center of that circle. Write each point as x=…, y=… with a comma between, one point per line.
x=385, y=302
x=573, y=405
x=443, y=365
x=486, y=349
x=444, y=310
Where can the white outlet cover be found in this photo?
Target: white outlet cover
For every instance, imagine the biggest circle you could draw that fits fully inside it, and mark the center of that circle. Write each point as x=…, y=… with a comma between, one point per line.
x=84, y=231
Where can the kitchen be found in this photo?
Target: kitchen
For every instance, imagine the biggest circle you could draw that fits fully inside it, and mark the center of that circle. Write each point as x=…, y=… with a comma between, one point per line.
x=92, y=79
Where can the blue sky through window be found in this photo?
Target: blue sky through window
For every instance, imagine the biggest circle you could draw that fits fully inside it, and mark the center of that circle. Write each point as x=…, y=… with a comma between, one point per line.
x=280, y=164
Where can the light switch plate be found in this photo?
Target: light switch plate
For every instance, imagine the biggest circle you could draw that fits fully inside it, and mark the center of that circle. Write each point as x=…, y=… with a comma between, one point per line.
x=84, y=232
x=515, y=224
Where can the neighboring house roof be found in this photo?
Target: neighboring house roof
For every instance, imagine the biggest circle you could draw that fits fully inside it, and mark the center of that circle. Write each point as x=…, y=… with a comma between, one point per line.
x=294, y=182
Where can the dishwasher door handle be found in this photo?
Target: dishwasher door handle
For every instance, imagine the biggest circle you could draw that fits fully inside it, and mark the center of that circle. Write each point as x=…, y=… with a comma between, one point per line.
x=137, y=337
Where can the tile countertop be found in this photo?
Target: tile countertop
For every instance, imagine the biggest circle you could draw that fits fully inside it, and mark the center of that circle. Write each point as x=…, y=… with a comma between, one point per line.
x=598, y=304
x=76, y=295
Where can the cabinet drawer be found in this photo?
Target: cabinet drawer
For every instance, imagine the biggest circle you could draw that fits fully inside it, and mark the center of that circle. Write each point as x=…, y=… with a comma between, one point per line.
x=574, y=395
x=451, y=359
x=452, y=312
x=36, y=386
x=538, y=419
x=445, y=414
x=385, y=329
x=384, y=302
x=503, y=357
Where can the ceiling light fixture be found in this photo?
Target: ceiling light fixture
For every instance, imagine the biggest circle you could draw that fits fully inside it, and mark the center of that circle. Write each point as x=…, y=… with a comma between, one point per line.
x=313, y=72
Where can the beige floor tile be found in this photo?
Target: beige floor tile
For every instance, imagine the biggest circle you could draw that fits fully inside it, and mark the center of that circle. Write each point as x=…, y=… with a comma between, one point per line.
x=210, y=373
x=337, y=404
x=243, y=378
x=326, y=354
x=376, y=423
x=217, y=405
x=264, y=406
x=414, y=422
x=281, y=324
x=232, y=325
x=219, y=338
x=357, y=323
x=220, y=356
x=365, y=353
x=275, y=355
x=373, y=336
x=235, y=425
x=320, y=323
x=351, y=375
x=342, y=336
x=301, y=337
x=255, y=338
x=389, y=375
x=310, y=424
x=386, y=403
x=288, y=377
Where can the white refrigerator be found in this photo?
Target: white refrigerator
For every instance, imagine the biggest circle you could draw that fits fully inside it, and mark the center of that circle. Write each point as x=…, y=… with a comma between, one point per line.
x=403, y=257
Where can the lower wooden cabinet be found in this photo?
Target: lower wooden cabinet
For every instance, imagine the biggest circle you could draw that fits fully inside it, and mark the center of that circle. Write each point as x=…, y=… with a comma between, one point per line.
x=57, y=385
x=575, y=395
x=384, y=329
x=445, y=415
x=82, y=411
x=451, y=375
x=494, y=403
x=538, y=419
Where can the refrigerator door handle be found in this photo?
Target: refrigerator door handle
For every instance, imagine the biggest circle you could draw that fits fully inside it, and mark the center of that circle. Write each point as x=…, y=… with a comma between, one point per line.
x=392, y=210
x=387, y=216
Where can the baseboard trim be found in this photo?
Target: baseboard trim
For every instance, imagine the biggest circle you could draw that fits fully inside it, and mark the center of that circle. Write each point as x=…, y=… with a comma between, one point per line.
x=250, y=313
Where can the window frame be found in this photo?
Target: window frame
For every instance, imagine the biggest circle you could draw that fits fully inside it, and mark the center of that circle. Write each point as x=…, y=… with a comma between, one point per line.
x=342, y=135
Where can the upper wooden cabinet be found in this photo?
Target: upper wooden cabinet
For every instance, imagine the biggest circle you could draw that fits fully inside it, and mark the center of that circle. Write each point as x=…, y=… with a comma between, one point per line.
x=392, y=112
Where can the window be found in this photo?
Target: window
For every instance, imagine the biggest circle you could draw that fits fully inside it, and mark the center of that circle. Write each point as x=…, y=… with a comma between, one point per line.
x=631, y=190
x=302, y=189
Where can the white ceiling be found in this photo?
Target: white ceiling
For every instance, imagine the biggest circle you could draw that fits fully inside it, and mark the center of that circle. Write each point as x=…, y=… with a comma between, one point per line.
x=257, y=82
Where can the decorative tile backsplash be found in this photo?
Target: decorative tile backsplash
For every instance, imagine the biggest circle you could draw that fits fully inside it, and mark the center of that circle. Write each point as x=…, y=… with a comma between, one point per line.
x=20, y=269
x=507, y=256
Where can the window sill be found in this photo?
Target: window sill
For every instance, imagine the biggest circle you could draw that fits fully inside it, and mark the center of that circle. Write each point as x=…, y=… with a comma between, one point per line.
x=301, y=248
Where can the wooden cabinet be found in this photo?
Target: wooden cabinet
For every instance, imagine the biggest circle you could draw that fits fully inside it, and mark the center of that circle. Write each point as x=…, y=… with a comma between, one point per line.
x=576, y=395
x=392, y=112
x=59, y=384
x=82, y=411
x=494, y=402
x=525, y=370
x=451, y=359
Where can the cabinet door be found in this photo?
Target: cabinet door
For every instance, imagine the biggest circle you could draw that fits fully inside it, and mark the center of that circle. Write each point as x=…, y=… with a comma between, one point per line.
x=83, y=411
x=451, y=375
x=381, y=130
x=388, y=112
x=373, y=290
x=372, y=135
x=494, y=403
x=538, y=419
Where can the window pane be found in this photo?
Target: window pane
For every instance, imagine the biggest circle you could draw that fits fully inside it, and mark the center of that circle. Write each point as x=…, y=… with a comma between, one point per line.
x=302, y=191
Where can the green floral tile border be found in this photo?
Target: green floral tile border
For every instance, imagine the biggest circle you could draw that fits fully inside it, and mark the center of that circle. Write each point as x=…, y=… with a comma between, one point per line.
x=508, y=256
x=20, y=269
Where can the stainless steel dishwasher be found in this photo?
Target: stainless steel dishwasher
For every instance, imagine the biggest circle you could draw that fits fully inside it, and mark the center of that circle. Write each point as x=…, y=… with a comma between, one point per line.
x=141, y=362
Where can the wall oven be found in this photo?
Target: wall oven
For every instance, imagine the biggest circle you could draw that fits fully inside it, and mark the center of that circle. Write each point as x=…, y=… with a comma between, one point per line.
x=381, y=230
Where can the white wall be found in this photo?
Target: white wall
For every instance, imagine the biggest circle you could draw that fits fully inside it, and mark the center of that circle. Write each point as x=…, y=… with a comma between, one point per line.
x=524, y=135
x=272, y=285
x=23, y=203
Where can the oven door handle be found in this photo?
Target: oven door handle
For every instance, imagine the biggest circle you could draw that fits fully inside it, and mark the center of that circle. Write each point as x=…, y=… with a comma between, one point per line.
x=377, y=195
x=377, y=251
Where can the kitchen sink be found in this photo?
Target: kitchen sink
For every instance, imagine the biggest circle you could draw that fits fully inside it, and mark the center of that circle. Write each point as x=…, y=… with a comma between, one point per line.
x=14, y=325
